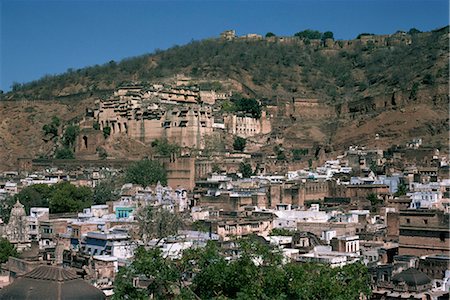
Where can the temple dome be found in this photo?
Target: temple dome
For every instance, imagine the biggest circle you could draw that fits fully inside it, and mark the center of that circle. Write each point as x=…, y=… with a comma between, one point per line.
x=49, y=282
x=412, y=277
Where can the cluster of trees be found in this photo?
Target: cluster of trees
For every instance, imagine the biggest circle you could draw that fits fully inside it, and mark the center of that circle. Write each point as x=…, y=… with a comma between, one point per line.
x=65, y=197
x=106, y=190
x=145, y=173
x=67, y=142
x=156, y=222
x=51, y=128
x=315, y=34
x=258, y=273
x=59, y=198
x=247, y=106
x=297, y=154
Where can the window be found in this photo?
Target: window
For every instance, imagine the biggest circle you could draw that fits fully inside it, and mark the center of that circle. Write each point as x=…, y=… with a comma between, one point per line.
x=442, y=236
x=425, y=221
x=408, y=221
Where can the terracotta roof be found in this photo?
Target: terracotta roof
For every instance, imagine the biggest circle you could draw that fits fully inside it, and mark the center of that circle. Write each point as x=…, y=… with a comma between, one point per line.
x=49, y=282
x=51, y=273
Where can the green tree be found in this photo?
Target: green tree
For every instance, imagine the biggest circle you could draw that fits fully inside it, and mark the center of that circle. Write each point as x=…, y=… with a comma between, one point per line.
x=156, y=222
x=228, y=106
x=270, y=34
x=105, y=191
x=374, y=201
x=239, y=143
x=256, y=273
x=64, y=153
x=248, y=106
x=36, y=195
x=245, y=169
x=70, y=135
x=279, y=152
x=96, y=126
x=65, y=197
x=5, y=208
x=163, y=275
x=146, y=172
x=101, y=152
x=429, y=79
x=401, y=190
x=52, y=127
x=163, y=147
x=327, y=35
x=281, y=231
x=298, y=153
x=414, y=31
x=309, y=34
x=106, y=131
x=414, y=89
x=363, y=34
x=6, y=250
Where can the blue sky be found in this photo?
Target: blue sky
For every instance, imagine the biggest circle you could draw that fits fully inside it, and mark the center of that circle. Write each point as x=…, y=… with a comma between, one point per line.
x=48, y=37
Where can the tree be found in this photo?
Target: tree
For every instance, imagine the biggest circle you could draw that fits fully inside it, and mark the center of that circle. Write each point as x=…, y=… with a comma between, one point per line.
x=101, y=152
x=164, y=148
x=162, y=274
x=401, y=190
x=146, y=172
x=5, y=208
x=279, y=152
x=256, y=273
x=16, y=86
x=270, y=34
x=156, y=222
x=414, y=31
x=64, y=153
x=249, y=106
x=6, y=250
x=70, y=135
x=298, y=153
x=105, y=191
x=52, y=127
x=281, y=231
x=245, y=169
x=429, y=79
x=65, y=197
x=363, y=34
x=309, y=34
x=36, y=195
x=106, y=131
x=327, y=35
x=239, y=143
x=374, y=200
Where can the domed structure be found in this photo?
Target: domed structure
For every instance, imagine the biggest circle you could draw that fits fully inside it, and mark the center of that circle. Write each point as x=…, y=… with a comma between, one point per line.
x=411, y=280
x=49, y=282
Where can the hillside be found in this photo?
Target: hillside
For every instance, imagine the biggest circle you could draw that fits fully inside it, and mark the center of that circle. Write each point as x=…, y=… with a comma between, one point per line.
x=395, y=86
x=346, y=70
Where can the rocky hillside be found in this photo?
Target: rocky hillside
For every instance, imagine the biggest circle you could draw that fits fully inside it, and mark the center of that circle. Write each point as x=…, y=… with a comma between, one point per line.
x=394, y=86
